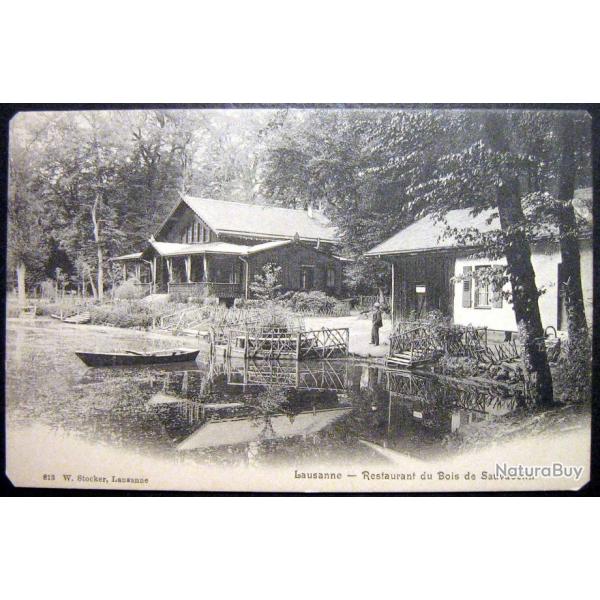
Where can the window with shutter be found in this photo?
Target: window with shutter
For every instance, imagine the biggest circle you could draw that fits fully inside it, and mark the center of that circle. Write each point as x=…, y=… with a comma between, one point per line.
x=482, y=290
x=497, y=297
x=466, y=287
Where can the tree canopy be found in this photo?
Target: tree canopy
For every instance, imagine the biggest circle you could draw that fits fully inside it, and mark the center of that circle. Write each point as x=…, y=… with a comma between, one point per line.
x=85, y=186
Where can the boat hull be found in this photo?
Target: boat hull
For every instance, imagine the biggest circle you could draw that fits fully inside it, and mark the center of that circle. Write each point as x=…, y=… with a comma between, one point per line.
x=100, y=359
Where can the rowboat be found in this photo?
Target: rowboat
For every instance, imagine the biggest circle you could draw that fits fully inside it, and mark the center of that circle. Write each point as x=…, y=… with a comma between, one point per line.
x=79, y=319
x=132, y=358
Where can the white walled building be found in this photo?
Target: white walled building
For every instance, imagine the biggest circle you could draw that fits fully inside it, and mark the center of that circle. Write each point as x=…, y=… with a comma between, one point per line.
x=425, y=262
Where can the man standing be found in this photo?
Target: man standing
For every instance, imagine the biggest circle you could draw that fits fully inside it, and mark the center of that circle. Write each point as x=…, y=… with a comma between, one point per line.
x=377, y=323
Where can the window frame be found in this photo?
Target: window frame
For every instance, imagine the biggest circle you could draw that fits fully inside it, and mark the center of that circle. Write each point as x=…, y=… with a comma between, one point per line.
x=477, y=290
x=330, y=276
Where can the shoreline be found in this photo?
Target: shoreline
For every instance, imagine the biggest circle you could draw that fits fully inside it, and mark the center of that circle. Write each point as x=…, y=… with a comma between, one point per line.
x=161, y=335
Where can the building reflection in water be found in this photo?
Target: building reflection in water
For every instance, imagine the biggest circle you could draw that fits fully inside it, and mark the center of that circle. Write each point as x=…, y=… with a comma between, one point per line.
x=253, y=408
x=423, y=409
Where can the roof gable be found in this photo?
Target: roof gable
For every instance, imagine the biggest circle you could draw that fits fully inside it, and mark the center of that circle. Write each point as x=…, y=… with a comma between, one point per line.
x=237, y=218
x=231, y=432
x=430, y=234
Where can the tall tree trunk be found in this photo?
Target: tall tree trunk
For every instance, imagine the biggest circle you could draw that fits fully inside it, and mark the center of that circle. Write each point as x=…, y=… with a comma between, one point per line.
x=100, y=288
x=21, y=291
x=94, y=293
x=520, y=270
x=567, y=225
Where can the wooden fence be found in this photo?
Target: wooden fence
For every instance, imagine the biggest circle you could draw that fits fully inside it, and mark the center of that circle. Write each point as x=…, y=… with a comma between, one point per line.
x=426, y=342
x=281, y=343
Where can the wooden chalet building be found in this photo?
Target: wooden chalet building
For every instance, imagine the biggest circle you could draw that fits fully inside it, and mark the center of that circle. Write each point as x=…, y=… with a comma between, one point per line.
x=215, y=248
x=430, y=271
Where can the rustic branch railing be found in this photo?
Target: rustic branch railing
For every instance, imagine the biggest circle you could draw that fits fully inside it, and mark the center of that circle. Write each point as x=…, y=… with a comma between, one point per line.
x=279, y=342
x=470, y=394
x=321, y=375
x=427, y=341
x=207, y=288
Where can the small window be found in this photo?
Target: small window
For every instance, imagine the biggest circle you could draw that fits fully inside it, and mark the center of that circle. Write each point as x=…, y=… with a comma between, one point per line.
x=330, y=277
x=482, y=290
x=206, y=234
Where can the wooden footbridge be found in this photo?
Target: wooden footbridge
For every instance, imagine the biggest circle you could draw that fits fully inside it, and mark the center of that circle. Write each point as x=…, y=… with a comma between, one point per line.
x=424, y=343
x=275, y=343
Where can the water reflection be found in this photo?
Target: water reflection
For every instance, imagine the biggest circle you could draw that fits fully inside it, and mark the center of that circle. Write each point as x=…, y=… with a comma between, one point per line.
x=254, y=412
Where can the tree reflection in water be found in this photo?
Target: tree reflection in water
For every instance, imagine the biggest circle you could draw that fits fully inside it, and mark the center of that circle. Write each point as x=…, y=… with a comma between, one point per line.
x=246, y=412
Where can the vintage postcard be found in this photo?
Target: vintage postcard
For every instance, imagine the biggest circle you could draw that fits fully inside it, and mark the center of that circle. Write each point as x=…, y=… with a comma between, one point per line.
x=296, y=299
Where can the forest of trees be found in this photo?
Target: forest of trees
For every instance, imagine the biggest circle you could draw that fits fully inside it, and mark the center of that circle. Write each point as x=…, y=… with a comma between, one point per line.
x=84, y=186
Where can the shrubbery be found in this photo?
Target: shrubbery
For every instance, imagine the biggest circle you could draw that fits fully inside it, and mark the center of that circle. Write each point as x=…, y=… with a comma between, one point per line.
x=315, y=302
x=12, y=311
x=123, y=314
x=572, y=380
x=250, y=303
x=129, y=290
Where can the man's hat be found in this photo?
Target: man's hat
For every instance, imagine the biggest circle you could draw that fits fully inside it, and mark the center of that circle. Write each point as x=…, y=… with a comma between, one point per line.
x=376, y=305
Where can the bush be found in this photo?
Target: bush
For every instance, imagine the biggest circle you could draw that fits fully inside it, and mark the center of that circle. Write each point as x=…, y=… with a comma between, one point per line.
x=572, y=380
x=129, y=290
x=13, y=310
x=123, y=314
x=315, y=302
x=66, y=306
x=244, y=303
x=48, y=289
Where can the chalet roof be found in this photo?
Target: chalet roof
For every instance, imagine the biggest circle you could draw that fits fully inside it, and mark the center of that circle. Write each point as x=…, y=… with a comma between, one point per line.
x=237, y=218
x=267, y=246
x=230, y=432
x=128, y=256
x=429, y=234
x=175, y=249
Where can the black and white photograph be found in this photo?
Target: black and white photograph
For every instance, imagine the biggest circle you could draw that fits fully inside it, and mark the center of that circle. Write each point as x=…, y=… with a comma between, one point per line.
x=299, y=299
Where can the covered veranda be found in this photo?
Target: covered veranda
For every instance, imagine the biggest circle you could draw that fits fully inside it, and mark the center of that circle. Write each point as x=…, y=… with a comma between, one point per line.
x=195, y=269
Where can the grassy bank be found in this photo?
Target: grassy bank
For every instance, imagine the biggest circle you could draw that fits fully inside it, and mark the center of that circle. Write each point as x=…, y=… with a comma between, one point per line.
x=521, y=423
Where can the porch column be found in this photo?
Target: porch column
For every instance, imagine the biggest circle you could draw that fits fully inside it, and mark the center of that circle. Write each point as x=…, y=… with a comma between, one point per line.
x=206, y=269
x=188, y=268
x=138, y=271
x=170, y=268
x=153, y=273
x=393, y=294
x=124, y=271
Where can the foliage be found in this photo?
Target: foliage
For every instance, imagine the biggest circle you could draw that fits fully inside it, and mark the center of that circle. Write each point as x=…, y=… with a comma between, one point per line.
x=266, y=285
x=48, y=289
x=573, y=378
x=128, y=290
x=135, y=315
x=372, y=172
x=357, y=165
x=314, y=302
x=247, y=303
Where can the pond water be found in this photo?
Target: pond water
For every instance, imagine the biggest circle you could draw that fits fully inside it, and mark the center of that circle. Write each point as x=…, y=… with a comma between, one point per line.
x=236, y=411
